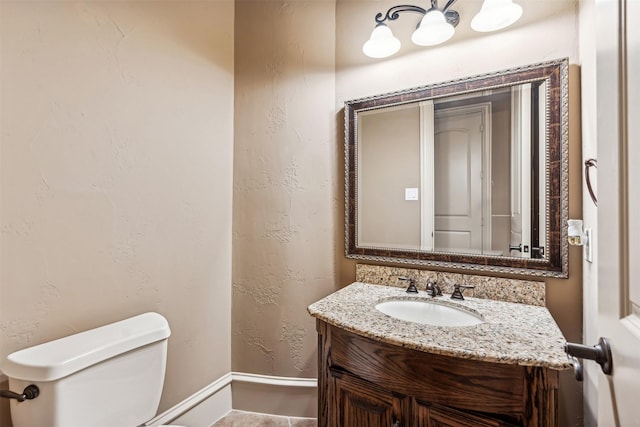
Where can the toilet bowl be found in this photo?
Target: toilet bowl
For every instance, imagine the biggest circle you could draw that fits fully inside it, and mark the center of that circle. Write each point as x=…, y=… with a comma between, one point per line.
x=109, y=376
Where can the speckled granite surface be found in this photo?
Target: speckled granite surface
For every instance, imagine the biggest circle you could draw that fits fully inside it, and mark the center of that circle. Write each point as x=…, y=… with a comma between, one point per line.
x=496, y=288
x=511, y=333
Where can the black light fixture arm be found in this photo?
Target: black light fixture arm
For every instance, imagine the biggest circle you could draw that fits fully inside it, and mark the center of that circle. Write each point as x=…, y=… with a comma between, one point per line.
x=393, y=13
x=446, y=6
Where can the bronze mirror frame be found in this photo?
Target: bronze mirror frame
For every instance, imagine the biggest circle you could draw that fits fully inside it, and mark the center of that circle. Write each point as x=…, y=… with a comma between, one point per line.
x=555, y=262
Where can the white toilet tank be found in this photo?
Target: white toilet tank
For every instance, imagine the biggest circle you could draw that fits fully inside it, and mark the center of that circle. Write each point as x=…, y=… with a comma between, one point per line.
x=111, y=376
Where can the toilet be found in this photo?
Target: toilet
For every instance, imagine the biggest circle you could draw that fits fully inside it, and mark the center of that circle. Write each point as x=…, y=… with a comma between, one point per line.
x=104, y=377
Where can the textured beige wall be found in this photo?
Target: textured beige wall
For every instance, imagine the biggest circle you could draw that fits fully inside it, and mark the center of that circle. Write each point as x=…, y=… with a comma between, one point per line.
x=285, y=179
x=117, y=154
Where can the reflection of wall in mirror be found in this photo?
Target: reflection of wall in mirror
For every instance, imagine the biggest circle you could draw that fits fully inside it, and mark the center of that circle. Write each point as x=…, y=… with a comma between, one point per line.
x=500, y=173
x=389, y=162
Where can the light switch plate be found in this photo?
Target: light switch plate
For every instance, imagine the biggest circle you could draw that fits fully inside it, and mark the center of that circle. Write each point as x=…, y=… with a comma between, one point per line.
x=588, y=247
x=411, y=194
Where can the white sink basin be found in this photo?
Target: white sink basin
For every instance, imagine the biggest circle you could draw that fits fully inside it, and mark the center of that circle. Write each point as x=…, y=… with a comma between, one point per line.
x=428, y=313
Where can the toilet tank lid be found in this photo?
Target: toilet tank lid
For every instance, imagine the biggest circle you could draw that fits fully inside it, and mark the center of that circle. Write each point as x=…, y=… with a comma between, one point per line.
x=57, y=359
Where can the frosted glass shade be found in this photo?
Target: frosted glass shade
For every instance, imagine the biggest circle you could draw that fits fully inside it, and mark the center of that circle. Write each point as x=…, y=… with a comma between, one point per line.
x=382, y=43
x=433, y=29
x=496, y=15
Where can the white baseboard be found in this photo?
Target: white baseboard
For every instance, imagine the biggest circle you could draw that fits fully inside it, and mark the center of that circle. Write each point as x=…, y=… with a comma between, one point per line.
x=277, y=381
x=220, y=389
x=208, y=405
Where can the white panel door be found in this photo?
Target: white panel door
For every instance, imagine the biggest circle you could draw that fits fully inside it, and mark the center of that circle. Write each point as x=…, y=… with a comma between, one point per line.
x=618, y=135
x=458, y=180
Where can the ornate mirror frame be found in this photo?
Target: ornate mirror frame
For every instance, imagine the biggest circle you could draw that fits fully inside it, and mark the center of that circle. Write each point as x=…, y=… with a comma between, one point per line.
x=555, y=263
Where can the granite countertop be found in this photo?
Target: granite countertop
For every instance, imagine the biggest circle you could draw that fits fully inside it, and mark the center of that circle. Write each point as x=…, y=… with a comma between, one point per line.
x=511, y=333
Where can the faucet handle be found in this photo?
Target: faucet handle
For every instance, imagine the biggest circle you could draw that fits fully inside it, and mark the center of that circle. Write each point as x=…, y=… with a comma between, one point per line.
x=411, y=289
x=457, y=291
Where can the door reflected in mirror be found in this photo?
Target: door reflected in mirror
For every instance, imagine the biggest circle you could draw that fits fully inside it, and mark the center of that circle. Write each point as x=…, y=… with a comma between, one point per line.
x=469, y=172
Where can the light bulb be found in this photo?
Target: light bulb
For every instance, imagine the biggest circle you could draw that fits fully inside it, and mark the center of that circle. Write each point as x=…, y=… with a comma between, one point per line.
x=382, y=43
x=495, y=15
x=433, y=29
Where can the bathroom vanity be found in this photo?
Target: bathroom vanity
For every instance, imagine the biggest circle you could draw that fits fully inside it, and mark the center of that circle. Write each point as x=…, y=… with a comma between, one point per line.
x=378, y=370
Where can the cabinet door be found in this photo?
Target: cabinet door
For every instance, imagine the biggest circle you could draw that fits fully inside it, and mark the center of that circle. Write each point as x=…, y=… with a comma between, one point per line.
x=358, y=403
x=427, y=415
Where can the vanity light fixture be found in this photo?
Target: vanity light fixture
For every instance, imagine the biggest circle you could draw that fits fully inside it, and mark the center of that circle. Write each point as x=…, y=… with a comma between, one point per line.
x=437, y=25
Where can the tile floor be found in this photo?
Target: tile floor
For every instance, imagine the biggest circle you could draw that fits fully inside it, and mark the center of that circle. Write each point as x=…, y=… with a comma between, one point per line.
x=251, y=419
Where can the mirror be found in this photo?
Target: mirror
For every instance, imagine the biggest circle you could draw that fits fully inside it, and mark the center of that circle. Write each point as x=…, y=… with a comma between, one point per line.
x=469, y=174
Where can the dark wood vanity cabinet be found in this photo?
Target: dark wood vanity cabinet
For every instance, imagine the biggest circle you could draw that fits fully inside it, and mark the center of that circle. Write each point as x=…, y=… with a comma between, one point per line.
x=366, y=383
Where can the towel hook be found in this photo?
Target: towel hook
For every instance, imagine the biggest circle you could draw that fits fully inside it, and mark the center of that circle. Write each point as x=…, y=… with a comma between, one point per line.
x=588, y=164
